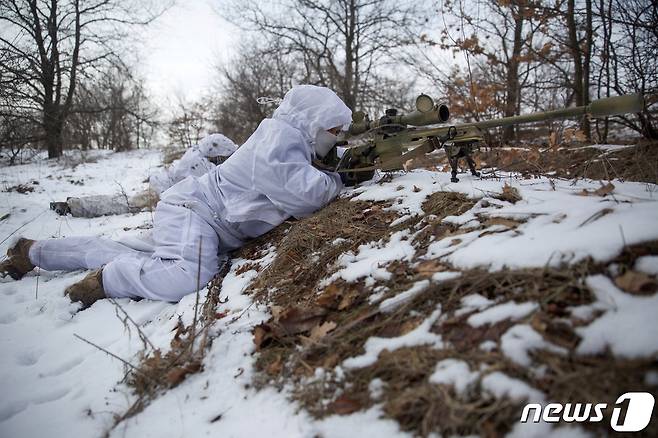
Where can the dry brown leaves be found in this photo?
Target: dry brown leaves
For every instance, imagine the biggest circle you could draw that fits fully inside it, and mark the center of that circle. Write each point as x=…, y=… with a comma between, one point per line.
x=430, y=267
x=248, y=267
x=344, y=405
x=555, y=331
x=177, y=374
x=552, y=141
x=318, y=333
x=339, y=295
x=637, y=283
x=604, y=190
x=20, y=188
x=289, y=322
x=509, y=194
x=505, y=222
x=573, y=134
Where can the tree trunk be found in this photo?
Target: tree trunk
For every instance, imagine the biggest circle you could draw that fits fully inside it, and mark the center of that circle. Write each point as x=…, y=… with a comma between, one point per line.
x=585, y=122
x=53, y=130
x=602, y=126
x=349, y=96
x=512, y=82
x=581, y=67
x=648, y=130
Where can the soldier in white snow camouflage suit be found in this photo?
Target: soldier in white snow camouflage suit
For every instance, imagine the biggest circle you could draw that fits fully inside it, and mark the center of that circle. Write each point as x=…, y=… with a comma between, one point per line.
x=267, y=180
x=197, y=161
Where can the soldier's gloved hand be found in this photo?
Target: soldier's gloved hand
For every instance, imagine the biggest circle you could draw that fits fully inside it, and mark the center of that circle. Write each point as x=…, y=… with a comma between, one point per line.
x=353, y=178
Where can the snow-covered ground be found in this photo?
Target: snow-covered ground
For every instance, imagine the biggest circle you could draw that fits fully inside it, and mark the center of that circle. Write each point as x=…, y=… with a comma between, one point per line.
x=55, y=384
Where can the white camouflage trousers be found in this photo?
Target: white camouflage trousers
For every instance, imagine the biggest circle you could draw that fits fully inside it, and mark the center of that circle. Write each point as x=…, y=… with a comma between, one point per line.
x=183, y=245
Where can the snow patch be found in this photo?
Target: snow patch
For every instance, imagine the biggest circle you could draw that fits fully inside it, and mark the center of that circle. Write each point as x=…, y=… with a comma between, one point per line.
x=456, y=373
x=371, y=259
x=627, y=327
x=509, y=310
x=520, y=339
x=393, y=303
x=647, y=264
x=445, y=276
x=473, y=302
x=501, y=385
x=421, y=335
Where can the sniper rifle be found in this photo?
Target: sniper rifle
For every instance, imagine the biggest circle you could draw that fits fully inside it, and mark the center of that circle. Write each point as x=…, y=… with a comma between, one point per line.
x=394, y=139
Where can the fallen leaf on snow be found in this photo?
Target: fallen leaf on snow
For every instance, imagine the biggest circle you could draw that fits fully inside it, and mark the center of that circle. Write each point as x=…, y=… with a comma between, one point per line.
x=344, y=405
x=509, y=194
x=262, y=333
x=429, y=267
x=601, y=191
x=177, y=374
x=509, y=223
x=636, y=283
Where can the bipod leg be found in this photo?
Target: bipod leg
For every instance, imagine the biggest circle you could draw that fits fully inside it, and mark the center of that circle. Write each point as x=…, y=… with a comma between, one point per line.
x=471, y=165
x=454, y=163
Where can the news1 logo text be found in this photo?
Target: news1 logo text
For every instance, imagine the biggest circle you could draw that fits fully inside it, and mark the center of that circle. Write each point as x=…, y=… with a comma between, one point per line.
x=630, y=413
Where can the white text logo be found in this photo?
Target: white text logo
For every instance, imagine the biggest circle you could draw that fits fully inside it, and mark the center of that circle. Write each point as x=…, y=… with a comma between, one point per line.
x=631, y=412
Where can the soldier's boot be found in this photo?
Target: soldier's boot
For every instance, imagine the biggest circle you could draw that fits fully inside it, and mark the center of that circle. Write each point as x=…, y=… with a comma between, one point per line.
x=61, y=208
x=18, y=261
x=88, y=290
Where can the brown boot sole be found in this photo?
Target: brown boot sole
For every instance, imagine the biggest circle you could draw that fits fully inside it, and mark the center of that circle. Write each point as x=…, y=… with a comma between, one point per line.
x=88, y=290
x=18, y=264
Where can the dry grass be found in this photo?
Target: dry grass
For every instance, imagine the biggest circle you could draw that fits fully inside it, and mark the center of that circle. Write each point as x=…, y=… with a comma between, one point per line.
x=307, y=249
x=421, y=407
x=292, y=346
x=638, y=163
x=157, y=372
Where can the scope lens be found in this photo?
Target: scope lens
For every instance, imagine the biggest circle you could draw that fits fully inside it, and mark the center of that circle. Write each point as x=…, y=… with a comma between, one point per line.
x=424, y=103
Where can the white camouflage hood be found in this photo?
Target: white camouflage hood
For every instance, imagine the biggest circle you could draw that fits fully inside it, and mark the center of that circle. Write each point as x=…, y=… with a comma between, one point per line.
x=216, y=145
x=311, y=109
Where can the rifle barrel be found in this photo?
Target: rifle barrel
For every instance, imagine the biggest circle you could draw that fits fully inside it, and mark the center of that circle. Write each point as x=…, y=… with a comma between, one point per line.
x=608, y=106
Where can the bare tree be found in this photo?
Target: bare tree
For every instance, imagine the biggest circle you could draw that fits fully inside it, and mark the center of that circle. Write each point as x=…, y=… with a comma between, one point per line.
x=339, y=43
x=571, y=51
x=503, y=35
x=581, y=51
x=633, y=52
x=15, y=135
x=258, y=71
x=189, y=123
x=110, y=111
x=46, y=45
